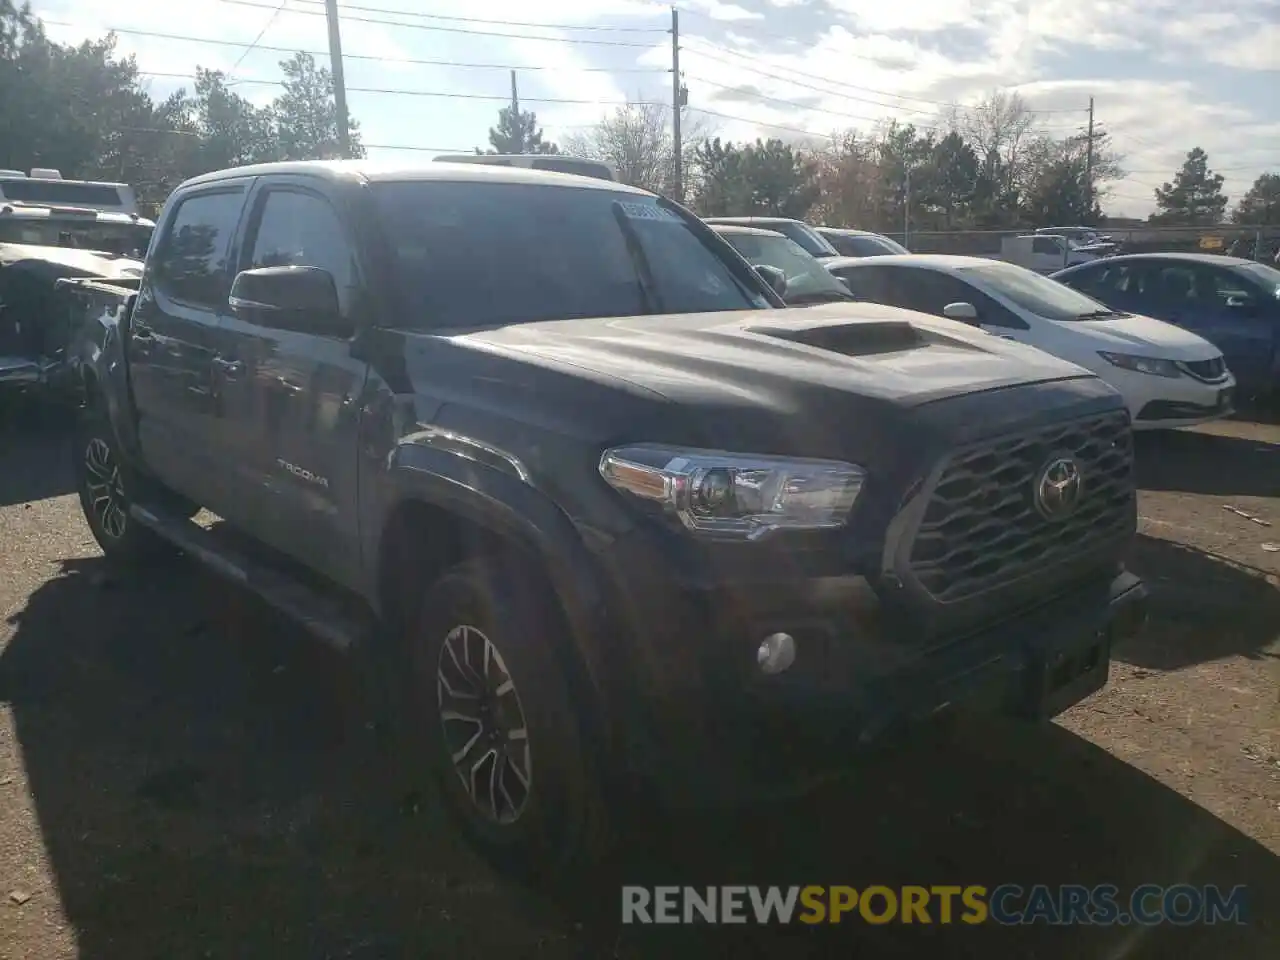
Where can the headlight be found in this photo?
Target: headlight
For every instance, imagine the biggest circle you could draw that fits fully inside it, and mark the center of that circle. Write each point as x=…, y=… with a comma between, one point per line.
x=737, y=496
x=1151, y=365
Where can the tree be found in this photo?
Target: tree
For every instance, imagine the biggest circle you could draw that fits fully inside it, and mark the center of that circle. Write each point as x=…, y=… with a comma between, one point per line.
x=1001, y=131
x=1059, y=196
x=518, y=132
x=955, y=169
x=1260, y=206
x=1194, y=197
x=636, y=140
x=305, y=115
x=723, y=189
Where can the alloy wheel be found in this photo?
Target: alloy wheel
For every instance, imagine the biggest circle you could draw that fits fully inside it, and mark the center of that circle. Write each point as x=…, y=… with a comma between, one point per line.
x=105, y=488
x=483, y=723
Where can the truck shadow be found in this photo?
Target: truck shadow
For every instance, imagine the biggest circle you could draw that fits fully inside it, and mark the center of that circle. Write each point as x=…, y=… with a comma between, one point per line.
x=206, y=787
x=35, y=452
x=1187, y=461
x=1204, y=607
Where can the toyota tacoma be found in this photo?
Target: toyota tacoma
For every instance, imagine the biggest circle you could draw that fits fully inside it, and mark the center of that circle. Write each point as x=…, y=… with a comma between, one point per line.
x=556, y=457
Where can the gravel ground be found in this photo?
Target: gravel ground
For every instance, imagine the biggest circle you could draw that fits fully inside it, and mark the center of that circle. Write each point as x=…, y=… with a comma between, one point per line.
x=181, y=775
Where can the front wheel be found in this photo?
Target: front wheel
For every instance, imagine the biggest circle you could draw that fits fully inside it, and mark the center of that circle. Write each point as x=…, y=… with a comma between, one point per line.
x=501, y=731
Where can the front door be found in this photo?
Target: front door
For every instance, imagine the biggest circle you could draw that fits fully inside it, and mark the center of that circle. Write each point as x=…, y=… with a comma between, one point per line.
x=171, y=348
x=293, y=409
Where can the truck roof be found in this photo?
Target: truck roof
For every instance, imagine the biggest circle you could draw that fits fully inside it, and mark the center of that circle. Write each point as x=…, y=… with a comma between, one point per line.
x=370, y=171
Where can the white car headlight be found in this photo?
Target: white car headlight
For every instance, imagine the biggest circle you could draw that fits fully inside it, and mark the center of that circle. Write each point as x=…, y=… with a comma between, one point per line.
x=733, y=495
x=1152, y=365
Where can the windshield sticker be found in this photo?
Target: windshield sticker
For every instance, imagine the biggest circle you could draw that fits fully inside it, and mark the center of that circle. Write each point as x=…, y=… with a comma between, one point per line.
x=647, y=211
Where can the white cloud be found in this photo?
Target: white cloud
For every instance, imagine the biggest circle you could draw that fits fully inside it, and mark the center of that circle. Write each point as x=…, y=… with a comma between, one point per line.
x=871, y=62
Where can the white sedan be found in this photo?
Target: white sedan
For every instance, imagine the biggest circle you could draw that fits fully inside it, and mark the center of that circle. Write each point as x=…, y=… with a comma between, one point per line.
x=1168, y=376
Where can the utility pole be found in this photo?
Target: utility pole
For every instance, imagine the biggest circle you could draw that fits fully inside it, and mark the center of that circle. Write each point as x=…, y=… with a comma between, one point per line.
x=339, y=79
x=1088, y=161
x=677, y=101
x=515, y=98
x=906, y=207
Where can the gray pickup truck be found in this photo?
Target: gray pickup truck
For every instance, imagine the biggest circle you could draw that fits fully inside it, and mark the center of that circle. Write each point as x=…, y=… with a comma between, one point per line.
x=549, y=452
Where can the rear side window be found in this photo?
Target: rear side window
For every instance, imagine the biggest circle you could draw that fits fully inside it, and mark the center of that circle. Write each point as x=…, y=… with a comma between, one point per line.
x=1047, y=245
x=191, y=262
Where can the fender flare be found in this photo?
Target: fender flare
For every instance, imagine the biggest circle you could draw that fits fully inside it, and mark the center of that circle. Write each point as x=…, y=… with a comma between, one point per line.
x=496, y=495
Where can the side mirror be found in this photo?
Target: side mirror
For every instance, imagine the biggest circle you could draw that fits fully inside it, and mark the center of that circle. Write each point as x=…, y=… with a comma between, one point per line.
x=302, y=299
x=774, y=277
x=964, y=312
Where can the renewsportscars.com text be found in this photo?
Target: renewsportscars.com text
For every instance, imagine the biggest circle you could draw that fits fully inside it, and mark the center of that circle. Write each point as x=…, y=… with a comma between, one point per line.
x=1008, y=904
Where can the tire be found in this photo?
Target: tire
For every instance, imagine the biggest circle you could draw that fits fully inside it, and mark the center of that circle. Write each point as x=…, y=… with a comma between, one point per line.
x=105, y=486
x=523, y=789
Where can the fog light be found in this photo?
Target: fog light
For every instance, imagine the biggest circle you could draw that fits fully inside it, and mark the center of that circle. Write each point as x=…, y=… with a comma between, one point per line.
x=776, y=653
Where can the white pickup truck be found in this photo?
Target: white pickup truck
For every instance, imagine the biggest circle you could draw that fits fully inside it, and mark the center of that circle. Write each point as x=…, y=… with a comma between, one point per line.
x=1047, y=253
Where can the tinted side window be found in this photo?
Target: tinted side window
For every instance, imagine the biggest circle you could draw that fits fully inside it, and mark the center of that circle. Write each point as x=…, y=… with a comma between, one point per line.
x=929, y=292
x=1047, y=245
x=191, y=263
x=865, y=283
x=302, y=230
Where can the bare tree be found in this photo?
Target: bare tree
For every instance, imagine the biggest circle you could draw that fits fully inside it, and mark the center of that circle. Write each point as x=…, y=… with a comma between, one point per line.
x=1001, y=130
x=636, y=140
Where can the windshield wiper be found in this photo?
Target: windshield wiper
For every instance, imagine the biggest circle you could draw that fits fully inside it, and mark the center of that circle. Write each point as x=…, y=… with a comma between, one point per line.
x=640, y=260
x=1102, y=315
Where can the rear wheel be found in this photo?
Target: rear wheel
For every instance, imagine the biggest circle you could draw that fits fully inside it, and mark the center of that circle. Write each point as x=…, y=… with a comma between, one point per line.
x=500, y=730
x=107, y=488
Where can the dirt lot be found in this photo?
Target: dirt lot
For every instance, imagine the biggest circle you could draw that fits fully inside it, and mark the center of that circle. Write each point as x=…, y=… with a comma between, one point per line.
x=183, y=776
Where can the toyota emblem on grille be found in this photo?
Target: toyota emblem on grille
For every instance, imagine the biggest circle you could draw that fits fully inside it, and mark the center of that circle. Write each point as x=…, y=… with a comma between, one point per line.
x=1058, y=489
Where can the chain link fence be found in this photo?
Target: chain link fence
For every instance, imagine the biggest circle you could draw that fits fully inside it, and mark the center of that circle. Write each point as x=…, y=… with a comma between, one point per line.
x=1254, y=243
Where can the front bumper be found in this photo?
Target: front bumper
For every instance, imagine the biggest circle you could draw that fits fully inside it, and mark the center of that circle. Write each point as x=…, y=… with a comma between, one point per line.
x=1159, y=403
x=747, y=735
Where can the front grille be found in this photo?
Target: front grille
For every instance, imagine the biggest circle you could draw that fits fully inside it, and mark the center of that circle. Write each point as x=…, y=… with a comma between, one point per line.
x=982, y=527
x=1214, y=369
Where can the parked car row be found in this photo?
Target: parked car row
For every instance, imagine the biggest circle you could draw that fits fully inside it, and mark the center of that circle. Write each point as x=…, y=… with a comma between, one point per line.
x=1178, y=335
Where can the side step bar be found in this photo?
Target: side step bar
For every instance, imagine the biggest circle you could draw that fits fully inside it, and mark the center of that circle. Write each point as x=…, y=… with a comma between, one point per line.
x=328, y=620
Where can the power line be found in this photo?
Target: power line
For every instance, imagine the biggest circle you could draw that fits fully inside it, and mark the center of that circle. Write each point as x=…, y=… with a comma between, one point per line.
x=758, y=123
x=413, y=61
x=504, y=23
x=789, y=103
x=504, y=98
x=424, y=26
x=841, y=83
x=261, y=33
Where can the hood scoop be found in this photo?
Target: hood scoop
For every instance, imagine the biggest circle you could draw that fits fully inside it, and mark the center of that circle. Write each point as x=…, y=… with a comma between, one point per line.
x=858, y=339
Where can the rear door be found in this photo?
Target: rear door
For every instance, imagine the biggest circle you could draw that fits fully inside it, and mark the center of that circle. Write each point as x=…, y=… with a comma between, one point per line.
x=170, y=350
x=293, y=411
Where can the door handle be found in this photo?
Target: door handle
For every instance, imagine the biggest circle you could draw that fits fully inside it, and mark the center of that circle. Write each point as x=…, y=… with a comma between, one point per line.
x=229, y=368
x=140, y=331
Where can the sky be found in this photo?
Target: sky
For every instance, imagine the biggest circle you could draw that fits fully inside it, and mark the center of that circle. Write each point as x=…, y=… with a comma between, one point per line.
x=1164, y=75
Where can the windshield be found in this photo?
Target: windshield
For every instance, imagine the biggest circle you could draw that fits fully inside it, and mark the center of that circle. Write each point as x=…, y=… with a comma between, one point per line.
x=1269, y=277
x=806, y=277
x=1036, y=294
x=869, y=245
x=486, y=254
x=123, y=239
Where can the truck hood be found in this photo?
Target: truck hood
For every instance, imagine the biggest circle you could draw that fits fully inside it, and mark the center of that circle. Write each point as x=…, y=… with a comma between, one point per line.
x=776, y=356
x=1143, y=336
